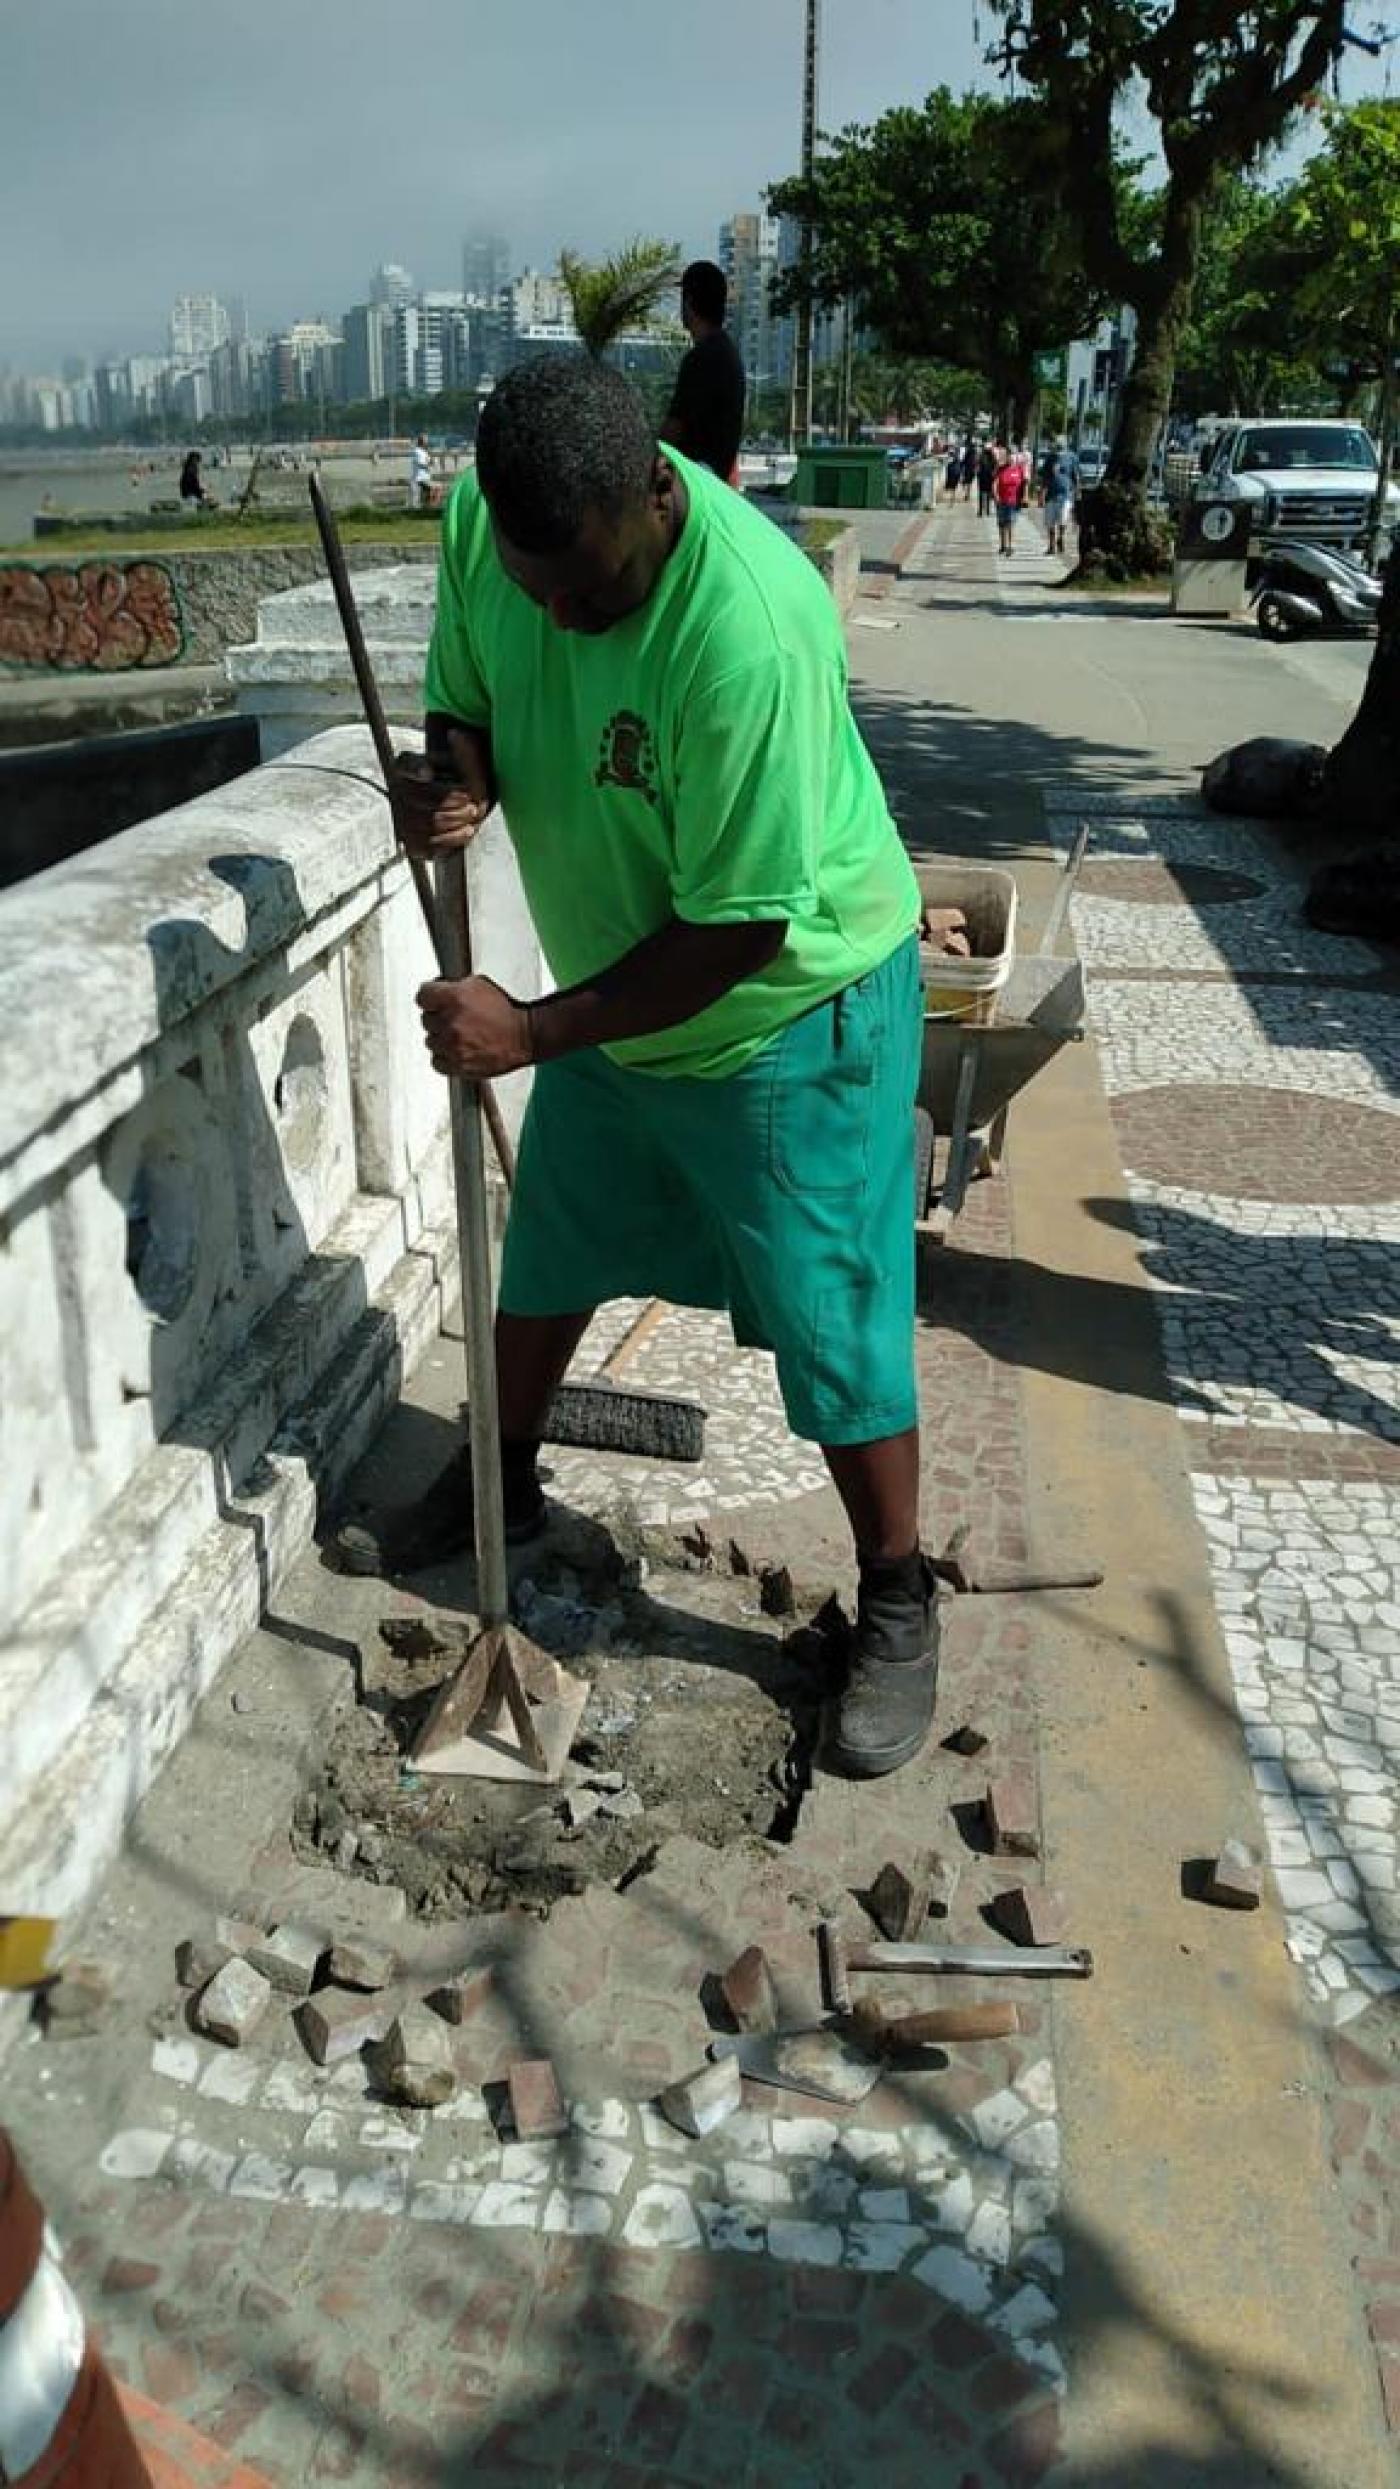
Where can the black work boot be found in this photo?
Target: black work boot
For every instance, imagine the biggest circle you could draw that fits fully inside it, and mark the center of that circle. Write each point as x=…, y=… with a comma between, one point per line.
x=886, y=1710
x=439, y=1527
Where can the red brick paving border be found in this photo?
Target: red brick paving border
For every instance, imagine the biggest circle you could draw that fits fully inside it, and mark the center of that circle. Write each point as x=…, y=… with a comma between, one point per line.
x=1292, y=1458
x=689, y=2368
x=1255, y=1143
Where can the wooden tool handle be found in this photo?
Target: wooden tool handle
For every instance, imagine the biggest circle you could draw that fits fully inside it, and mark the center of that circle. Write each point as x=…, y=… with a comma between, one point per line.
x=994, y=2020
x=627, y=1347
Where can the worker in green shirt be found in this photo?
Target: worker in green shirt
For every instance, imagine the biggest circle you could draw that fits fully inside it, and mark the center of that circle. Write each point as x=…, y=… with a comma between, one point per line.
x=651, y=680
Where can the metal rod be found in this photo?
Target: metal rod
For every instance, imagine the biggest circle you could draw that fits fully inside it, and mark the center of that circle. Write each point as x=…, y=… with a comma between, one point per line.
x=378, y=725
x=474, y=1244
x=959, y=1141
x=976, y=1961
x=1064, y=890
x=370, y=701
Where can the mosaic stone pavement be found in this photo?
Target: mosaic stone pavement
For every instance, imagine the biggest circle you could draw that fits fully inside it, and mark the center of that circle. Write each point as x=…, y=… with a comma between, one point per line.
x=964, y=2206
x=1258, y=1119
x=1253, y=1069
x=335, y=2288
x=750, y=1456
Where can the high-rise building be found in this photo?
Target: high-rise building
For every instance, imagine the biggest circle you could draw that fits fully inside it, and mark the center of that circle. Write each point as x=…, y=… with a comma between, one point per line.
x=485, y=267
x=539, y=301
x=368, y=332
x=392, y=285
x=198, y=324
x=305, y=362
x=443, y=337
x=750, y=255
x=234, y=378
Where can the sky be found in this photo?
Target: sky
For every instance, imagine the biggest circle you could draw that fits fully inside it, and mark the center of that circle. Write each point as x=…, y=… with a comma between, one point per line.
x=281, y=149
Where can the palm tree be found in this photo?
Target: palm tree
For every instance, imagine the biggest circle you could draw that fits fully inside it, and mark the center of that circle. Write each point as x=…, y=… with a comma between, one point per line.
x=611, y=295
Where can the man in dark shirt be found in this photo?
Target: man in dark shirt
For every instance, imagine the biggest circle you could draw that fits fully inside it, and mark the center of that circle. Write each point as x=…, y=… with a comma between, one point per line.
x=706, y=414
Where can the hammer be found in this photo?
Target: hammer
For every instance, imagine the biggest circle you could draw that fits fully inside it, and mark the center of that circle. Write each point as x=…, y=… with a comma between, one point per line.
x=951, y=1569
x=838, y=1960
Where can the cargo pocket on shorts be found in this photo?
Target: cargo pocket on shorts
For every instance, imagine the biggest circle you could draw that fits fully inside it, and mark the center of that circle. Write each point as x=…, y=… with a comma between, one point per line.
x=823, y=1095
x=855, y=1387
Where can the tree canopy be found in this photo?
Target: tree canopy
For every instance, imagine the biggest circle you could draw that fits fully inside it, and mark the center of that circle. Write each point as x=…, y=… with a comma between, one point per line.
x=1221, y=79
x=934, y=223
x=609, y=296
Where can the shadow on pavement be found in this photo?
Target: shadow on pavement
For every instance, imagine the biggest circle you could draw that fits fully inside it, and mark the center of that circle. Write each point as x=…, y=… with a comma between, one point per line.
x=958, y=780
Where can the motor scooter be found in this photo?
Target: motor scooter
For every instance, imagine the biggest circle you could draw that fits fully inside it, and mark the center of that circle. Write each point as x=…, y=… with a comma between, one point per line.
x=1305, y=588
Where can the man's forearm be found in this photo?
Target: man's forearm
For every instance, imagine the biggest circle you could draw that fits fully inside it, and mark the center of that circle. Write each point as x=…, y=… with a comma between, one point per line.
x=670, y=977
x=438, y=728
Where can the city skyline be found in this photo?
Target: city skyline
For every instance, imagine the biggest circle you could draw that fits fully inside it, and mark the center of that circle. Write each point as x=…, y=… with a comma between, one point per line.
x=311, y=145
x=281, y=158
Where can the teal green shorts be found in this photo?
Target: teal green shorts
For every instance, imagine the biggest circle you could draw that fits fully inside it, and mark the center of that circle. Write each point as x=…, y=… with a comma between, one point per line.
x=784, y=1194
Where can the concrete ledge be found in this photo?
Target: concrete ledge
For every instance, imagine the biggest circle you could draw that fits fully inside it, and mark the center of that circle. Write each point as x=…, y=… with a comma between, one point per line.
x=223, y=1571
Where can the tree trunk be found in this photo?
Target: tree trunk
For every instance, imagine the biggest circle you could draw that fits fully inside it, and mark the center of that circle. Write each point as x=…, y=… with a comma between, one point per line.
x=1376, y=530
x=1361, y=783
x=1130, y=540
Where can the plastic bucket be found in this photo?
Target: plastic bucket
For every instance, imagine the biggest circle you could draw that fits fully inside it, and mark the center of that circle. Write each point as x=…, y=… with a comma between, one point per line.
x=969, y=989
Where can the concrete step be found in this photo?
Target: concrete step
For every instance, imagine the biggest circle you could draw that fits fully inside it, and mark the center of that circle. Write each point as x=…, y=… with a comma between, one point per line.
x=395, y=605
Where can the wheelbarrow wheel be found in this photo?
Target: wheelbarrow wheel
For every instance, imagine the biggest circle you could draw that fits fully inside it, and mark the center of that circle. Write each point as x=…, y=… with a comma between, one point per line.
x=923, y=1160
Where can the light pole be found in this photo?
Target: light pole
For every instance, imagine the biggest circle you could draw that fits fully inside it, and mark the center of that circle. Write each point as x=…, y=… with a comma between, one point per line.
x=800, y=404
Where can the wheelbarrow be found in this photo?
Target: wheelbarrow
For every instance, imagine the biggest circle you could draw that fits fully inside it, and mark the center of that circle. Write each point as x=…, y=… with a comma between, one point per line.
x=971, y=1074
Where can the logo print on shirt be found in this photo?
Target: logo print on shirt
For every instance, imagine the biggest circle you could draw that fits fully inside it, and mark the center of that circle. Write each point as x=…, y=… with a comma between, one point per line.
x=627, y=755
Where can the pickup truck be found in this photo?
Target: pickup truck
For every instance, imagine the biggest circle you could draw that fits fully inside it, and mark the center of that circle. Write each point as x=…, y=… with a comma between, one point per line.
x=1310, y=476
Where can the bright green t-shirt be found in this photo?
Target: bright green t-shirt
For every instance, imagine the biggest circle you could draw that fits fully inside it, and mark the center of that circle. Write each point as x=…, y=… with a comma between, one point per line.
x=698, y=760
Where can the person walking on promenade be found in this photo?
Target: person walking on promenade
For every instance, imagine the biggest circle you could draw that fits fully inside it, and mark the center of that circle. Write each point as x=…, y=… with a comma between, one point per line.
x=952, y=473
x=651, y=680
x=986, y=478
x=1008, y=492
x=1059, y=485
x=969, y=467
x=706, y=415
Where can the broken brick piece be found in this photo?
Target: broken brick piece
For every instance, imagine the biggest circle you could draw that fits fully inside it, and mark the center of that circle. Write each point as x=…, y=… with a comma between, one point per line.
x=1011, y=1817
x=776, y=1595
x=1235, y=1881
x=703, y=2100
x=747, y=1989
x=80, y=1991
x=199, y=1959
x=458, y=1999
x=902, y=1897
x=740, y=1561
x=416, y=2062
x=289, y=1958
x=361, y=1966
x=236, y=1935
x=832, y=1622
x=233, y=2004
x=967, y=1740
x=336, y=2024
x=74, y=2003
x=621, y=1805
x=536, y=2102
x=1032, y=1914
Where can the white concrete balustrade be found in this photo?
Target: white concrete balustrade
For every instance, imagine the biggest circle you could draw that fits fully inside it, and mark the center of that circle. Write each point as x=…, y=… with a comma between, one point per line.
x=225, y=1234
